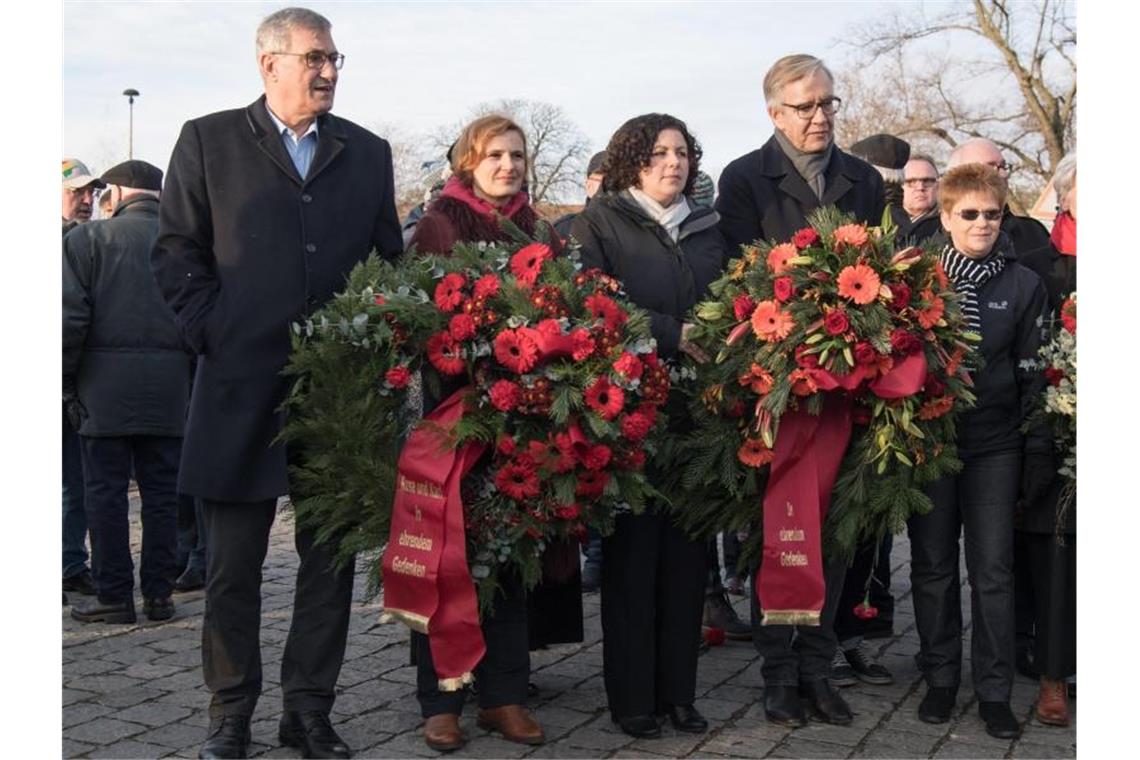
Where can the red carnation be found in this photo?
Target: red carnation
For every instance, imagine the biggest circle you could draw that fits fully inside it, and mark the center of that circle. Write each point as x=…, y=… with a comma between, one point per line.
x=836, y=322
x=597, y=457
x=398, y=377
x=1054, y=375
x=783, y=288
x=628, y=366
x=805, y=237
x=583, y=344
x=519, y=478
x=549, y=327
x=527, y=263
x=461, y=326
x=449, y=291
x=486, y=286
x=743, y=306
x=516, y=351
x=900, y=296
x=445, y=354
x=505, y=395
x=605, y=399
x=591, y=483
x=635, y=426
x=865, y=353
x=567, y=511
x=864, y=611
x=904, y=342
x=604, y=307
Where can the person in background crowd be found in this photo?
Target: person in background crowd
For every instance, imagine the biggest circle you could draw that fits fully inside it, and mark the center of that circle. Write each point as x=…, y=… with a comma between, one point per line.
x=888, y=155
x=266, y=210
x=78, y=190
x=704, y=191
x=918, y=219
x=767, y=195
x=1005, y=303
x=488, y=164
x=191, y=545
x=562, y=225
x=643, y=230
x=105, y=207
x=130, y=372
x=1045, y=556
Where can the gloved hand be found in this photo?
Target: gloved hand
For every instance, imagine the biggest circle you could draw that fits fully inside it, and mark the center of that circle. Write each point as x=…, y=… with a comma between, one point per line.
x=1037, y=472
x=75, y=412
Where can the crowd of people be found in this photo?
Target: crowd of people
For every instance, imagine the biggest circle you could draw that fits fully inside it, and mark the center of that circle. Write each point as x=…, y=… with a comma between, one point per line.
x=177, y=306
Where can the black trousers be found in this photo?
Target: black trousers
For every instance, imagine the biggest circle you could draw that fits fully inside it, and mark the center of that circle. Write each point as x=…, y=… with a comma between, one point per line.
x=237, y=535
x=979, y=501
x=857, y=583
x=795, y=653
x=501, y=675
x=653, y=592
x=1051, y=563
x=106, y=473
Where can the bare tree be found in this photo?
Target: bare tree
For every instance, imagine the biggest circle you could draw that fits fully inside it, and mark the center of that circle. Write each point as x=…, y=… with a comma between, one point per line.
x=409, y=152
x=1021, y=92
x=557, y=149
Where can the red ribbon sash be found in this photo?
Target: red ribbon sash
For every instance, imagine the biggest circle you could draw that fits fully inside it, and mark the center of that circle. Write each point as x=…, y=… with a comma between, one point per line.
x=427, y=584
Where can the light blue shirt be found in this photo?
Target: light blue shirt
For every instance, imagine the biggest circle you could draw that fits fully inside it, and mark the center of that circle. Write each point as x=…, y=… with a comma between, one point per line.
x=300, y=149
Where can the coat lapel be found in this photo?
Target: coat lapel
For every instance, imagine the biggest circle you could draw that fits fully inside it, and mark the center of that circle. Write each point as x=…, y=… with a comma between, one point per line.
x=776, y=165
x=330, y=143
x=836, y=181
x=265, y=132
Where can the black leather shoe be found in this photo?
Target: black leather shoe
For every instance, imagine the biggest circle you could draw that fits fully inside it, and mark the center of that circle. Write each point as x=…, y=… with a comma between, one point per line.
x=80, y=583
x=999, y=720
x=229, y=738
x=313, y=733
x=639, y=726
x=158, y=609
x=937, y=705
x=192, y=579
x=782, y=706
x=686, y=718
x=824, y=703
x=97, y=611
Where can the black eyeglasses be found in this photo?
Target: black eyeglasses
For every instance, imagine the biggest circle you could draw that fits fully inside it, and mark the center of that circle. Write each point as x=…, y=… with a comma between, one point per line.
x=970, y=214
x=807, y=110
x=315, y=59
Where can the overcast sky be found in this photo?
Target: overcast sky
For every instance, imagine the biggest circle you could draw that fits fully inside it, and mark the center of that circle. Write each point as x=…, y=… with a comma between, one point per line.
x=421, y=65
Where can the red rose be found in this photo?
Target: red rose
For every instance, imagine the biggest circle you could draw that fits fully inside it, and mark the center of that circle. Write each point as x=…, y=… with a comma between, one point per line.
x=836, y=322
x=398, y=377
x=900, y=296
x=567, y=512
x=461, y=326
x=904, y=342
x=806, y=360
x=865, y=353
x=445, y=354
x=605, y=399
x=486, y=286
x=583, y=344
x=597, y=457
x=1054, y=375
x=743, y=306
x=783, y=288
x=805, y=237
x=449, y=291
x=635, y=426
x=628, y=366
x=516, y=351
x=527, y=263
x=505, y=395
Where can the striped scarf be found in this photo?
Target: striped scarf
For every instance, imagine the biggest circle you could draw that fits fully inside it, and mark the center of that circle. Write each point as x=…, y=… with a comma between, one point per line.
x=968, y=275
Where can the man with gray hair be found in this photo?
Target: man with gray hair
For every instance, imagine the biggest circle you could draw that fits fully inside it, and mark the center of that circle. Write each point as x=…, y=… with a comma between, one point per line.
x=767, y=195
x=267, y=208
x=918, y=219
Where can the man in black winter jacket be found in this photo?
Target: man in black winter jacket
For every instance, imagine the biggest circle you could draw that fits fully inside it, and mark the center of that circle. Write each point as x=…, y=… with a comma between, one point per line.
x=128, y=373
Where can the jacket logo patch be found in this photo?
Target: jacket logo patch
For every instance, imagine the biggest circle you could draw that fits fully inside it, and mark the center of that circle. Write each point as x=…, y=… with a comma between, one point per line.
x=999, y=305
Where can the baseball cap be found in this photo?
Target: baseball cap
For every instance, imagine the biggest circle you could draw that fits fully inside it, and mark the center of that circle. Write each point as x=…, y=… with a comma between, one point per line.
x=134, y=173
x=76, y=175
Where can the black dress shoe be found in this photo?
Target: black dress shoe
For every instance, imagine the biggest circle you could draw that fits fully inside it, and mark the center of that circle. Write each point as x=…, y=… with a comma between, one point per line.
x=98, y=611
x=80, y=583
x=192, y=579
x=824, y=703
x=229, y=738
x=639, y=726
x=158, y=609
x=313, y=733
x=686, y=718
x=782, y=706
x=937, y=705
x=999, y=720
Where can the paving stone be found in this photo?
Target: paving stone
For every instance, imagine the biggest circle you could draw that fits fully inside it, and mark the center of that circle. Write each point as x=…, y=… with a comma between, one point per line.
x=804, y=748
x=176, y=736
x=104, y=731
x=897, y=744
x=82, y=712
x=71, y=696
x=591, y=737
x=72, y=748
x=154, y=713
x=959, y=749
x=130, y=749
x=134, y=695
x=564, y=749
x=1029, y=750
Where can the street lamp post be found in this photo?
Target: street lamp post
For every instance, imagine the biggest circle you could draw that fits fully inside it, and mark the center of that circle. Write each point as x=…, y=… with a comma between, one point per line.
x=131, y=95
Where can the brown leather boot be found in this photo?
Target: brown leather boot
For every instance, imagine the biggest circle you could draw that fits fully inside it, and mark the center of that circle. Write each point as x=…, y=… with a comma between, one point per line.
x=514, y=722
x=441, y=732
x=1053, y=702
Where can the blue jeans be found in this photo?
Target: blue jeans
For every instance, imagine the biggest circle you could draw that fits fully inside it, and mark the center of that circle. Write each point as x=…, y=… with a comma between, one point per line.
x=74, y=516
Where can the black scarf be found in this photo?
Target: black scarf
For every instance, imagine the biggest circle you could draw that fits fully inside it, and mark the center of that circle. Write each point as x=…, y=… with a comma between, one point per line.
x=968, y=275
x=810, y=166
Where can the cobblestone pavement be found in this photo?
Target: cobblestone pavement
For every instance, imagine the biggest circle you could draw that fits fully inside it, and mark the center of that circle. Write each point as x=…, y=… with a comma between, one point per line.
x=136, y=691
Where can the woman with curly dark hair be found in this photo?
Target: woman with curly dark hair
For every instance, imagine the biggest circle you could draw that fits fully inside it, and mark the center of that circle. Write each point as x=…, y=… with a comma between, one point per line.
x=643, y=230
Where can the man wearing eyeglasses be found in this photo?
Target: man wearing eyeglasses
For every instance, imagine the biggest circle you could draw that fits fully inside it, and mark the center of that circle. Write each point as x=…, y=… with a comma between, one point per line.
x=918, y=218
x=767, y=195
x=266, y=210
x=1027, y=235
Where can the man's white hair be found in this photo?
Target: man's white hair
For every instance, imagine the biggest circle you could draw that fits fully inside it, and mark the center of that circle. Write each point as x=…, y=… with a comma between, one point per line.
x=274, y=31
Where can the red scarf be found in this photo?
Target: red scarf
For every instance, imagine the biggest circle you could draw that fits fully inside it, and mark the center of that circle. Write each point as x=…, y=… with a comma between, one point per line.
x=1064, y=235
x=460, y=192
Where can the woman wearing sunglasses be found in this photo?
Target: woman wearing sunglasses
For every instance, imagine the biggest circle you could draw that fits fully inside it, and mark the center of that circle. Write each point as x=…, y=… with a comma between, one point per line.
x=1005, y=303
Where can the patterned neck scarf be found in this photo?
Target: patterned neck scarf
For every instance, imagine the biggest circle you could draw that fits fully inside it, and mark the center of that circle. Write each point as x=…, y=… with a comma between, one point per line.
x=968, y=275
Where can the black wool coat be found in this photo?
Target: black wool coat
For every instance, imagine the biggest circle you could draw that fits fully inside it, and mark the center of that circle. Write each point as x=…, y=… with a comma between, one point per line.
x=245, y=248
x=763, y=197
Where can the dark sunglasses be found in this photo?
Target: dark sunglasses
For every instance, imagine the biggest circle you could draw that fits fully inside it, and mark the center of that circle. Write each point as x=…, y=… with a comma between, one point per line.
x=970, y=214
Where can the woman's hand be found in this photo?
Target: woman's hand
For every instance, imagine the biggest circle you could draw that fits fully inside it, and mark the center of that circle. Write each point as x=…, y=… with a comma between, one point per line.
x=686, y=346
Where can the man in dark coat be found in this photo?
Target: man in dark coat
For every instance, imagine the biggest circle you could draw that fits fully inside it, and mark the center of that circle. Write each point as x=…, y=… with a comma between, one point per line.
x=267, y=209
x=918, y=218
x=125, y=365
x=767, y=194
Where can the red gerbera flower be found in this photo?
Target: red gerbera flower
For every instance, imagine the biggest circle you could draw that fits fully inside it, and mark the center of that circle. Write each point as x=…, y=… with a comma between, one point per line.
x=603, y=307
x=605, y=399
x=445, y=354
x=770, y=323
x=519, y=478
x=527, y=263
x=449, y=291
x=516, y=351
x=860, y=283
x=853, y=235
x=779, y=255
x=461, y=326
x=550, y=455
x=505, y=395
x=591, y=483
x=486, y=286
x=929, y=316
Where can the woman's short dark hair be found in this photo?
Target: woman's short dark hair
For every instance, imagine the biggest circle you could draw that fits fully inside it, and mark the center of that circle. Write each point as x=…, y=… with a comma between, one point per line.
x=631, y=149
